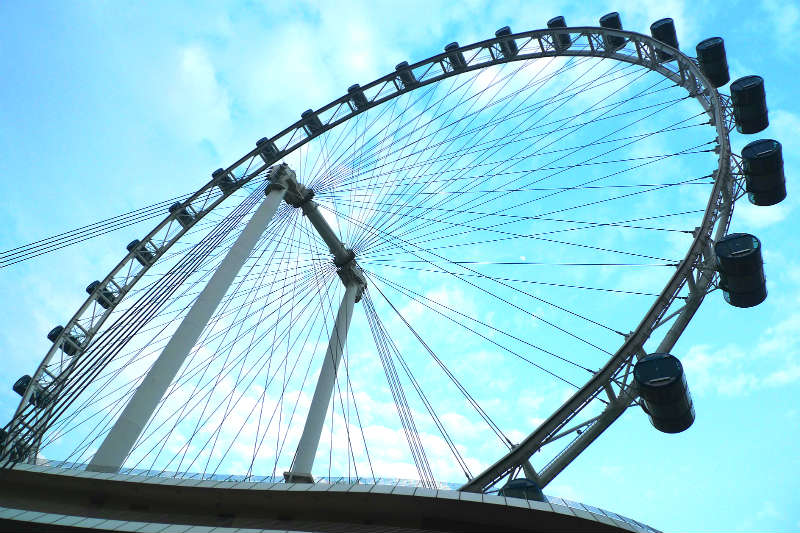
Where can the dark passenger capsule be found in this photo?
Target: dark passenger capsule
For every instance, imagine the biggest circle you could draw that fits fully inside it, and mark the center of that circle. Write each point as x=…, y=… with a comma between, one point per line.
x=560, y=40
x=183, y=217
x=524, y=488
x=406, y=75
x=21, y=385
x=224, y=180
x=763, y=172
x=455, y=56
x=713, y=61
x=749, y=104
x=54, y=333
x=267, y=150
x=104, y=297
x=741, y=269
x=142, y=254
x=38, y=397
x=665, y=394
x=69, y=344
x=612, y=22
x=508, y=47
x=357, y=96
x=664, y=30
x=311, y=122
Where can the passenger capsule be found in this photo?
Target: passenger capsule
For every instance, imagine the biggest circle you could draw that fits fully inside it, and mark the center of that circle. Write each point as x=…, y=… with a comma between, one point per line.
x=455, y=57
x=713, y=61
x=105, y=297
x=561, y=41
x=508, y=47
x=763, y=172
x=612, y=22
x=183, y=217
x=224, y=180
x=142, y=254
x=311, y=122
x=21, y=385
x=54, y=333
x=357, y=96
x=749, y=104
x=665, y=395
x=69, y=344
x=267, y=150
x=741, y=269
x=523, y=488
x=406, y=75
x=664, y=30
x=38, y=396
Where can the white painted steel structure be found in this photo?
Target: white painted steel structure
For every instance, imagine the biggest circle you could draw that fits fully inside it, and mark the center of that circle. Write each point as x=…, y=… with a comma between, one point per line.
x=309, y=441
x=119, y=441
x=613, y=380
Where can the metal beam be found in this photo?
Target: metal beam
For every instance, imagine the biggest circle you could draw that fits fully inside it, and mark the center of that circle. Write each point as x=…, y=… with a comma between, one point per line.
x=120, y=440
x=612, y=411
x=341, y=256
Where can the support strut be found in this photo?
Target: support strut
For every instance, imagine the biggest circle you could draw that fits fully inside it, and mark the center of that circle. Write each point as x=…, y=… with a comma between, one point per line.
x=128, y=427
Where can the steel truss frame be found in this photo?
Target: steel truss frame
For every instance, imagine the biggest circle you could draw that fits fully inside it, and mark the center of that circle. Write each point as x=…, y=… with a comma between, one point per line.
x=695, y=272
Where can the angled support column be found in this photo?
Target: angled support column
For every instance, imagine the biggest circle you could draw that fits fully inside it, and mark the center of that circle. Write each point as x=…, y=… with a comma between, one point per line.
x=120, y=440
x=354, y=283
x=300, y=471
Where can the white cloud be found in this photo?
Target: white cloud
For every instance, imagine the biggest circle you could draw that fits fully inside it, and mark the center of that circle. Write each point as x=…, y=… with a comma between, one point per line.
x=197, y=105
x=786, y=127
x=783, y=19
x=730, y=370
x=747, y=215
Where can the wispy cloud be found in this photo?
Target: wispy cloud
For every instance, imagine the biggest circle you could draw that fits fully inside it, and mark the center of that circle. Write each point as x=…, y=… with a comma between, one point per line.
x=731, y=370
x=197, y=106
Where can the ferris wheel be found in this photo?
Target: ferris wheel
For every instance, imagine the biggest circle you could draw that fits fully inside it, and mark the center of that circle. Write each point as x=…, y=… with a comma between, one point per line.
x=465, y=270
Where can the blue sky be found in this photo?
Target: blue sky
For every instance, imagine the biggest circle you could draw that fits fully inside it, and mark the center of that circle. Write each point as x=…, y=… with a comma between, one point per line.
x=108, y=107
